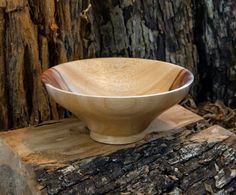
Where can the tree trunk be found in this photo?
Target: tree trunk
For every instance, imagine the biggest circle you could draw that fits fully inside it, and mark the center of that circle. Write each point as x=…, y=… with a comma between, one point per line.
x=215, y=36
x=37, y=34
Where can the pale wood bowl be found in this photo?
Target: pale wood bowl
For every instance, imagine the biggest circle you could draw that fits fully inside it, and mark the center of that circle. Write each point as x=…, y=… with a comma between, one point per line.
x=117, y=98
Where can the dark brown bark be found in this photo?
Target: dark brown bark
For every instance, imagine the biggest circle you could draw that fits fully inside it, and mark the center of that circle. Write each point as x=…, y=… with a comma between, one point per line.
x=215, y=36
x=3, y=89
x=37, y=34
x=160, y=166
x=196, y=159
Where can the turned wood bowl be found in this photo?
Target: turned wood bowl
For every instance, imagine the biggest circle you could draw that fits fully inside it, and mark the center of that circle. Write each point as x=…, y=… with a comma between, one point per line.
x=117, y=98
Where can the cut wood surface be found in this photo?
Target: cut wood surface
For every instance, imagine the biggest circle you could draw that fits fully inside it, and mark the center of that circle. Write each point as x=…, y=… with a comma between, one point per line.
x=58, y=157
x=62, y=141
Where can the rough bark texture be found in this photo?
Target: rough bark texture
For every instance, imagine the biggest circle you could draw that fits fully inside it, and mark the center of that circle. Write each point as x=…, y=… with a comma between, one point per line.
x=196, y=159
x=37, y=34
x=3, y=94
x=163, y=166
x=215, y=36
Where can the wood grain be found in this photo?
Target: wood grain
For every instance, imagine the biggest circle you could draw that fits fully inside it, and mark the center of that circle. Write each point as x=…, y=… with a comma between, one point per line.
x=118, y=76
x=117, y=98
x=4, y=115
x=58, y=157
x=58, y=142
x=180, y=32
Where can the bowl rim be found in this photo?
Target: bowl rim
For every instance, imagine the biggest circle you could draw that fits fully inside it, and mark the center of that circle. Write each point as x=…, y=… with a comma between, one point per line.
x=187, y=84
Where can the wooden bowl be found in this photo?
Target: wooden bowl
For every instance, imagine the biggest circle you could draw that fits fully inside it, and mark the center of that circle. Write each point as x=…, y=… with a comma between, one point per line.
x=117, y=98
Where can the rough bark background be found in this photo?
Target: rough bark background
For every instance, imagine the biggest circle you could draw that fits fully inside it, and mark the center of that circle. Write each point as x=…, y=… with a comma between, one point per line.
x=215, y=38
x=37, y=34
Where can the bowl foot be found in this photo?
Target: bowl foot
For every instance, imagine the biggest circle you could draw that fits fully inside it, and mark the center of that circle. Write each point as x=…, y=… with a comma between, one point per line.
x=116, y=140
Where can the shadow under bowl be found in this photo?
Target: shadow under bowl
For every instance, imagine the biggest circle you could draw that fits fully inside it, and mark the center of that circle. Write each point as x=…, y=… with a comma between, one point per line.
x=117, y=98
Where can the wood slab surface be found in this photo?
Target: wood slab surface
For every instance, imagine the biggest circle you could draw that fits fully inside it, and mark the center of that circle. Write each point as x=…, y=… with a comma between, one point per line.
x=182, y=154
x=61, y=141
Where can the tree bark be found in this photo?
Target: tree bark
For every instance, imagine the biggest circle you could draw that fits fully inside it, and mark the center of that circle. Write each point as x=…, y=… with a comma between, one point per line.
x=4, y=120
x=38, y=34
x=60, y=158
x=215, y=36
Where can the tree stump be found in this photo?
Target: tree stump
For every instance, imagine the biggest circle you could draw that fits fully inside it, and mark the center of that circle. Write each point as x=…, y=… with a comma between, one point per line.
x=184, y=154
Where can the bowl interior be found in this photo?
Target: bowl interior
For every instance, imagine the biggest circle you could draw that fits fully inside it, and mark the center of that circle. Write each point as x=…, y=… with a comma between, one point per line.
x=117, y=77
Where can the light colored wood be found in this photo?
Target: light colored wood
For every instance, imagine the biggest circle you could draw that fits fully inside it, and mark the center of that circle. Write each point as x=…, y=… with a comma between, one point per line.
x=117, y=98
x=59, y=142
x=212, y=134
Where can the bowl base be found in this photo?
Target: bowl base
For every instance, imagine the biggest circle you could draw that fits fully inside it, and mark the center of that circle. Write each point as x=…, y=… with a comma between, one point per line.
x=117, y=140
